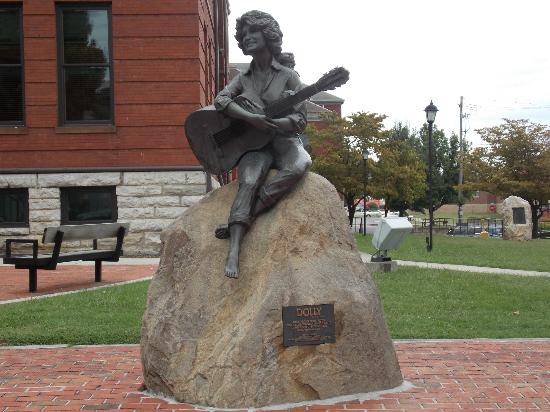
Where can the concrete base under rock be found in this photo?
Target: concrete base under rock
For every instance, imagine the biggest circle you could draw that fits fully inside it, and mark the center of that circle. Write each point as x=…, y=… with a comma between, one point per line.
x=211, y=340
x=389, y=266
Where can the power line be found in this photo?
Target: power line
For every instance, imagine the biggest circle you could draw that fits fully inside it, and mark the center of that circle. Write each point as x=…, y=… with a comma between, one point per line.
x=476, y=107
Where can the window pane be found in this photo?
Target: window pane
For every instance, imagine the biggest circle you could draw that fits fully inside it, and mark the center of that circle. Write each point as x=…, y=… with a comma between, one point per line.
x=13, y=206
x=90, y=204
x=86, y=36
x=10, y=36
x=88, y=93
x=11, y=95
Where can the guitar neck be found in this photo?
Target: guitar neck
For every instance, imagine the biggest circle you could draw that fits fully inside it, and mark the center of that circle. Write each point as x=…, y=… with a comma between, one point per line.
x=282, y=105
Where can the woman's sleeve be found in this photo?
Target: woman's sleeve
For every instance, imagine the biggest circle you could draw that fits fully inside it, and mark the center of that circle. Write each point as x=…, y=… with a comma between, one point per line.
x=299, y=115
x=226, y=96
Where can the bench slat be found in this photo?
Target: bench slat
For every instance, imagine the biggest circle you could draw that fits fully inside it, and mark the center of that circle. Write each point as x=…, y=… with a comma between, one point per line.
x=42, y=261
x=86, y=255
x=84, y=232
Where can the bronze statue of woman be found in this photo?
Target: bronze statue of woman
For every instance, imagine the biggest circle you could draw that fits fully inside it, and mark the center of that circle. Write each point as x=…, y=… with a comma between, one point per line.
x=265, y=81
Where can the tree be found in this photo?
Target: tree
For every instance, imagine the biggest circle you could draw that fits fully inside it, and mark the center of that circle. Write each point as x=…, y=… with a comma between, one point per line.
x=445, y=165
x=516, y=161
x=395, y=171
x=337, y=152
x=399, y=175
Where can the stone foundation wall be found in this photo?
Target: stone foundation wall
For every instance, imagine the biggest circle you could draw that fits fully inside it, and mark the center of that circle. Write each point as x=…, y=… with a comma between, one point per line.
x=149, y=201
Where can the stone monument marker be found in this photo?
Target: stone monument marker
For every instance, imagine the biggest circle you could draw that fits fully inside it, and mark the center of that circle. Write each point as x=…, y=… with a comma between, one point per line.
x=517, y=219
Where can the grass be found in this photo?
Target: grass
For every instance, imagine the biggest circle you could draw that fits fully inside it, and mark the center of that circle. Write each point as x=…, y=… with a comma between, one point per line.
x=492, y=252
x=105, y=316
x=418, y=303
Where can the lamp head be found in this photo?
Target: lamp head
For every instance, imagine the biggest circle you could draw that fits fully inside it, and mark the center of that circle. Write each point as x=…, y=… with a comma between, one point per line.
x=431, y=111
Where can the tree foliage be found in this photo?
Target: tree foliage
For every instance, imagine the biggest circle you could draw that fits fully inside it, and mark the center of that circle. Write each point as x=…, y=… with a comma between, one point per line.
x=445, y=165
x=394, y=170
x=337, y=152
x=516, y=161
x=399, y=174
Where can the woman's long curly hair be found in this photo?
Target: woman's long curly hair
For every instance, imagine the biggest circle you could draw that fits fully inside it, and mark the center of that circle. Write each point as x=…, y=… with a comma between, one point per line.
x=268, y=26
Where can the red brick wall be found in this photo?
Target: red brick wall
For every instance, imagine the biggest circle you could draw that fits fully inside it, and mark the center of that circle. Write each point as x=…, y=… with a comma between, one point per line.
x=336, y=108
x=163, y=67
x=481, y=197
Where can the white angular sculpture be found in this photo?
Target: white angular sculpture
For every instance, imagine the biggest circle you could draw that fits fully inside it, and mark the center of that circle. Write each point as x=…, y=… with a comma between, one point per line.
x=390, y=232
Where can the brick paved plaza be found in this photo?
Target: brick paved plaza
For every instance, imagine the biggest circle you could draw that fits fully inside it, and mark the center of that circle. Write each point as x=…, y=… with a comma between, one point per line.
x=15, y=282
x=454, y=375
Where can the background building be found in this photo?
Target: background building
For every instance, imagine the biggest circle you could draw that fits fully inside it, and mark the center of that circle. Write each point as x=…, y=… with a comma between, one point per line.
x=93, y=97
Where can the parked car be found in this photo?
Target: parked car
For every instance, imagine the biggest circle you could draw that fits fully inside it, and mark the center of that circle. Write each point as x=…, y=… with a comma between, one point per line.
x=368, y=213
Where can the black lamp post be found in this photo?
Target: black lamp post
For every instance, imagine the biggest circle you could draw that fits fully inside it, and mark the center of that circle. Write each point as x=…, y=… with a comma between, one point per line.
x=431, y=111
x=365, y=177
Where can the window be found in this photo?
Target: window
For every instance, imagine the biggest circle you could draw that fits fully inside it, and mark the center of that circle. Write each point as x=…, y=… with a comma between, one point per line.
x=85, y=64
x=88, y=205
x=14, y=207
x=11, y=66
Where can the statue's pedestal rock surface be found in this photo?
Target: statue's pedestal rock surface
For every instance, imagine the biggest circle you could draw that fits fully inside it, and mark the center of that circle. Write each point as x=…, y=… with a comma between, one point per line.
x=211, y=340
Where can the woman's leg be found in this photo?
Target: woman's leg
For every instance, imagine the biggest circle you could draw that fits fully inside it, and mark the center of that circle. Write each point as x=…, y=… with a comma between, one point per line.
x=292, y=162
x=253, y=168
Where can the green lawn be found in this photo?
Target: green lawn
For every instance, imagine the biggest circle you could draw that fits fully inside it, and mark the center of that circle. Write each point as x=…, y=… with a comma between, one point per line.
x=492, y=252
x=421, y=303
x=418, y=303
x=110, y=315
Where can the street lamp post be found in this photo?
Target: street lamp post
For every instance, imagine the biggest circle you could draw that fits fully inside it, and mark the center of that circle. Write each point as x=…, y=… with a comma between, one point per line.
x=431, y=111
x=365, y=177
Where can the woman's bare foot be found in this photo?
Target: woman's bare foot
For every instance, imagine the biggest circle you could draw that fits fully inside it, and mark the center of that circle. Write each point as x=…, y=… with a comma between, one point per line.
x=232, y=266
x=232, y=261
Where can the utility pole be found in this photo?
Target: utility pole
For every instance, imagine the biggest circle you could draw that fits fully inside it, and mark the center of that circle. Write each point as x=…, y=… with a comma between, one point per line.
x=460, y=168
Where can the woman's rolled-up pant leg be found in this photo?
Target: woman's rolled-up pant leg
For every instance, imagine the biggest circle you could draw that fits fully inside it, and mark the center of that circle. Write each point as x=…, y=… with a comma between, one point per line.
x=253, y=168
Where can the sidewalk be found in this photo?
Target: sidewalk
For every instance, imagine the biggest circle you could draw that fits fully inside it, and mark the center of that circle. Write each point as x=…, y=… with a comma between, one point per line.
x=71, y=277
x=463, y=268
x=446, y=375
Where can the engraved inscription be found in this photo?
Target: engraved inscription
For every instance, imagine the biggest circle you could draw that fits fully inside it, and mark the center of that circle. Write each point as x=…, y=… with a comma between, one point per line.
x=308, y=325
x=518, y=216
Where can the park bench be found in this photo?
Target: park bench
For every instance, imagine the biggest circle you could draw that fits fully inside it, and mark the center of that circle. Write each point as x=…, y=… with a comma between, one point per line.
x=59, y=234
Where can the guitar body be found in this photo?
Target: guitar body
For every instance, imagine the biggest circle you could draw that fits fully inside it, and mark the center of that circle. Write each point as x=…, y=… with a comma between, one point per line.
x=219, y=141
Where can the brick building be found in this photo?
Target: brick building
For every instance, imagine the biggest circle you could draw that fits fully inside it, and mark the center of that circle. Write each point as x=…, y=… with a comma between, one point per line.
x=93, y=97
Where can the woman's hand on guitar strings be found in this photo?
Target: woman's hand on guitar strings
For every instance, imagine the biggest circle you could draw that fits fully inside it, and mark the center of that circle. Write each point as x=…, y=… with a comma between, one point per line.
x=262, y=122
x=284, y=124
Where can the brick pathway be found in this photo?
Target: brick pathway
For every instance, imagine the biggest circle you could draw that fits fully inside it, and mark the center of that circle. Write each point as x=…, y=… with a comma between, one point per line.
x=448, y=376
x=15, y=282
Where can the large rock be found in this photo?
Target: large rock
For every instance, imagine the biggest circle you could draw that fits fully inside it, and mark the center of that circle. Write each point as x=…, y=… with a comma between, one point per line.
x=211, y=340
x=516, y=230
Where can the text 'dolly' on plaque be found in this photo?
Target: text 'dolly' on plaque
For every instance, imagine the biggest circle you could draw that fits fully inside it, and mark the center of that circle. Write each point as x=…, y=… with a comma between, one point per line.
x=308, y=325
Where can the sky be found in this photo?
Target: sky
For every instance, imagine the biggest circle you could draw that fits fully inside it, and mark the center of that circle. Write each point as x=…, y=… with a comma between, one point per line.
x=403, y=53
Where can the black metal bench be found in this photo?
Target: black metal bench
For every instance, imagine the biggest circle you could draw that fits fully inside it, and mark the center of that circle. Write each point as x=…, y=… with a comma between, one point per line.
x=57, y=235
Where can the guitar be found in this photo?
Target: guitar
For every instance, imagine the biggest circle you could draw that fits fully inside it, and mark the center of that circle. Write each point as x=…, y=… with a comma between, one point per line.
x=219, y=141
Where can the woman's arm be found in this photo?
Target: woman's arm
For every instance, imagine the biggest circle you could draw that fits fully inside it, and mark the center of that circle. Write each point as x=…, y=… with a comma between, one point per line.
x=296, y=122
x=259, y=121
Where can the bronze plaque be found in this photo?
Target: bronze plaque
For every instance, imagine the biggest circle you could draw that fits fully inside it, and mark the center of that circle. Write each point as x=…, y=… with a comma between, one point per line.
x=518, y=216
x=308, y=325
